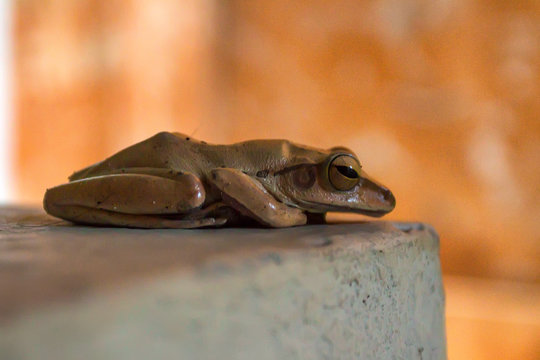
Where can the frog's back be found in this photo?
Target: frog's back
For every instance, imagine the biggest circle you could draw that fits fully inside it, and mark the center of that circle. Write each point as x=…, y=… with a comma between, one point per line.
x=157, y=151
x=181, y=153
x=272, y=155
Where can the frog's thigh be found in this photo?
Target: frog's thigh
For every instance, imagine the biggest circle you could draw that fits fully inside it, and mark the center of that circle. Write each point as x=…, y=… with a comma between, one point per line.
x=128, y=200
x=250, y=198
x=131, y=194
x=84, y=215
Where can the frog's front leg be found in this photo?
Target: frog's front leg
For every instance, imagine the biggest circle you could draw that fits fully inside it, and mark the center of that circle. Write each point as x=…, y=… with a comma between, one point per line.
x=132, y=200
x=250, y=198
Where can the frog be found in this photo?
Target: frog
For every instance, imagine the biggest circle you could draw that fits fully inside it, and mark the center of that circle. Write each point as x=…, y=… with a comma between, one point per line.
x=172, y=180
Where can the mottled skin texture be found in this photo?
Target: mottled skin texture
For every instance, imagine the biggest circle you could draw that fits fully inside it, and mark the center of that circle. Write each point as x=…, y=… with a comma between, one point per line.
x=173, y=181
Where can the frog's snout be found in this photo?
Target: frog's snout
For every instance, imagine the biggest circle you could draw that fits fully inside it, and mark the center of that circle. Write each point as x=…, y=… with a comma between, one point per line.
x=388, y=197
x=378, y=199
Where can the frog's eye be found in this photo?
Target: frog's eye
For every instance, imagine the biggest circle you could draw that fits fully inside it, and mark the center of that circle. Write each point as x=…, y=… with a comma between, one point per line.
x=344, y=172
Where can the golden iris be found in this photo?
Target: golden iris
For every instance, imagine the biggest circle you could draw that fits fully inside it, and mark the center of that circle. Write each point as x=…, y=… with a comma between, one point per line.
x=344, y=172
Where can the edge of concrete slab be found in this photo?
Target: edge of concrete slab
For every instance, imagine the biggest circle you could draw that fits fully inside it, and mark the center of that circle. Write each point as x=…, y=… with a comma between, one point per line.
x=371, y=290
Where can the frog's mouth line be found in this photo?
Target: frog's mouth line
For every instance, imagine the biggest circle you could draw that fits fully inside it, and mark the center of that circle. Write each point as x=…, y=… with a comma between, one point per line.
x=373, y=213
x=310, y=205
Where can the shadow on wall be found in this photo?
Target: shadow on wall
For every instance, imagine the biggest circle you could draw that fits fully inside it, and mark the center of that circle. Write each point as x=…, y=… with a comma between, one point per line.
x=6, y=121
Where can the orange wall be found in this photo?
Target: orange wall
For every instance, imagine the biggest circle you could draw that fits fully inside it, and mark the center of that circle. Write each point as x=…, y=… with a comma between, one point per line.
x=440, y=99
x=95, y=76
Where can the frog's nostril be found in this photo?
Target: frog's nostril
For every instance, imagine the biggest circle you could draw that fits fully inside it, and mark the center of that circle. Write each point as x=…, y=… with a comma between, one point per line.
x=386, y=194
x=389, y=197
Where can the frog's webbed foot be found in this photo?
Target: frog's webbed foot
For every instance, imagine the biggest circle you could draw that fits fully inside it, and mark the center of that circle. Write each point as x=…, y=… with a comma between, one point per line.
x=130, y=200
x=251, y=199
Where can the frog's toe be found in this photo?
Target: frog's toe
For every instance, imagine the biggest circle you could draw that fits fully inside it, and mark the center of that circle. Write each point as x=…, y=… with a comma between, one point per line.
x=192, y=224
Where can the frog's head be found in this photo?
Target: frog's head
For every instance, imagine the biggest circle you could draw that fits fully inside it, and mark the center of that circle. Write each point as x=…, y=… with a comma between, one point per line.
x=338, y=183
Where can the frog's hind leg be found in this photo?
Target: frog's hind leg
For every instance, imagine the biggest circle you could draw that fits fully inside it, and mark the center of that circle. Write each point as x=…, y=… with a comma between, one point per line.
x=130, y=200
x=100, y=217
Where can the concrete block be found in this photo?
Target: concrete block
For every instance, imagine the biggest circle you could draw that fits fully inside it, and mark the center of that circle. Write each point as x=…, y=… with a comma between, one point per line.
x=339, y=291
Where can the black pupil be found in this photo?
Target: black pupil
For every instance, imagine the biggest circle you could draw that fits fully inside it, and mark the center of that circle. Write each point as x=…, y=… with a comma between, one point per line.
x=347, y=171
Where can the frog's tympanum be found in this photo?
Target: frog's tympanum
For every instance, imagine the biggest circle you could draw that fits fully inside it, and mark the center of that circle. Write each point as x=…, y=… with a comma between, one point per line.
x=173, y=181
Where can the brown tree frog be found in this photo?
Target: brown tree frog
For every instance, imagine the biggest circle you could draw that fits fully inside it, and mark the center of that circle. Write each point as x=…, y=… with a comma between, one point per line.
x=173, y=181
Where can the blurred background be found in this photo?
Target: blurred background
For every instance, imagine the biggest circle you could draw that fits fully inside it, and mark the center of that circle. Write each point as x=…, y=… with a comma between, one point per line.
x=439, y=98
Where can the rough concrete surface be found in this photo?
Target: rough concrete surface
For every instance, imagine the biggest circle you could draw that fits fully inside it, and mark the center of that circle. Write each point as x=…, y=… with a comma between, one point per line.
x=339, y=291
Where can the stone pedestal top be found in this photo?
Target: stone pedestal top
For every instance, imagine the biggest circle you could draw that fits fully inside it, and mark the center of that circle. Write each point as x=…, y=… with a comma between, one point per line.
x=356, y=290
